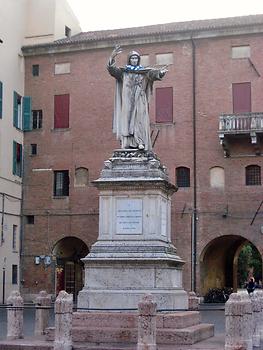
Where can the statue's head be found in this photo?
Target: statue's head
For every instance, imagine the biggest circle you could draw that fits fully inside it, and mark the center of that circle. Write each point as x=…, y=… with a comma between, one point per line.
x=134, y=58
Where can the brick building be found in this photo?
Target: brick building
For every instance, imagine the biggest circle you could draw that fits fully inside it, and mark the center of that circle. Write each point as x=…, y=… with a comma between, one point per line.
x=207, y=125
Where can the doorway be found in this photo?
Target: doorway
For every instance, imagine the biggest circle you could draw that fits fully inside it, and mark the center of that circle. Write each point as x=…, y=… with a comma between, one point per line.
x=69, y=275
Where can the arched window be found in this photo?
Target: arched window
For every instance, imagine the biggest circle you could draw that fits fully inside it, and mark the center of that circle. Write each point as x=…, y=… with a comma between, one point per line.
x=183, y=177
x=81, y=177
x=253, y=175
x=217, y=177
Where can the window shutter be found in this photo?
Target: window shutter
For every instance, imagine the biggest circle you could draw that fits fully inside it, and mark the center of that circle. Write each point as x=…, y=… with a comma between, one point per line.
x=1, y=99
x=20, y=159
x=241, y=97
x=14, y=157
x=15, y=110
x=27, y=115
x=164, y=105
x=61, y=111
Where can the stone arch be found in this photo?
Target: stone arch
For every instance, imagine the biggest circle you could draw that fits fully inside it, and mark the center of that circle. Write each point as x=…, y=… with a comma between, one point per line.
x=69, y=275
x=218, y=262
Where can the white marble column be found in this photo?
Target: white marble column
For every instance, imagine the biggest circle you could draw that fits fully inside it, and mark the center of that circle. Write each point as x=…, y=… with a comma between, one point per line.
x=238, y=312
x=15, y=316
x=63, y=321
x=147, y=324
x=43, y=304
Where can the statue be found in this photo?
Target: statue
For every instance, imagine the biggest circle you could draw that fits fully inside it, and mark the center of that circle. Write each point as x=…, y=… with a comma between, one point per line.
x=134, y=85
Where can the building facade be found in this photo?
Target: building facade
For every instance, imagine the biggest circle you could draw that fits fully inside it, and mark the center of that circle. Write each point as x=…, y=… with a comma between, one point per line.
x=206, y=127
x=15, y=109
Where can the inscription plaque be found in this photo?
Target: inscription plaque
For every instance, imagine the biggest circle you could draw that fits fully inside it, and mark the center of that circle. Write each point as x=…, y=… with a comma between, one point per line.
x=129, y=216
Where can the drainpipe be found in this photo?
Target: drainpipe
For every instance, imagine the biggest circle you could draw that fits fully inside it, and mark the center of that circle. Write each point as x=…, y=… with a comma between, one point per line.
x=194, y=213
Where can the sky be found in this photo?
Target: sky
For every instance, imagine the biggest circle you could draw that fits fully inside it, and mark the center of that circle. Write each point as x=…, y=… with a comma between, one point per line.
x=107, y=14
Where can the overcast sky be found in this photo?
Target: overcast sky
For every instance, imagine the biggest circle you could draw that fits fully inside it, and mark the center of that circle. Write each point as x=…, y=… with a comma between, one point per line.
x=113, y=14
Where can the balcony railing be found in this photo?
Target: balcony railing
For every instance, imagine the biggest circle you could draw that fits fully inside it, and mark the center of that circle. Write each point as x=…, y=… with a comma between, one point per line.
x=241, y=123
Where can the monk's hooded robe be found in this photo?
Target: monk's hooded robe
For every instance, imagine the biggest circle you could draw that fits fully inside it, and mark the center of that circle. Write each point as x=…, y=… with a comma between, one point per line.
x=131, y=121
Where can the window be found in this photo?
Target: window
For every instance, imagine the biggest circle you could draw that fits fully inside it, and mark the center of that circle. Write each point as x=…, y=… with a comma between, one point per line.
x=30, y=219
x=241, y=97
x=62, y=68
x=81, y=177
x=61, y=111
x=67, y=32
x=164, y=105
x=217, y=177
x=183, y=177
x=14, y=240
x=241, y=51
x=253, y=175
x=17, y=113
x=164, y=58
x=145, y=61
x=35, y=70
x=33, y=149
x=37, y=119
x=17, y=158
x=22, y=112
x=14, y=274
x=61, y=183
x=1, y=99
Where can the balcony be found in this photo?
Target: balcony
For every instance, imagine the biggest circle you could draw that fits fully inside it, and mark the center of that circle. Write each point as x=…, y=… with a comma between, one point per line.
x=233, y=125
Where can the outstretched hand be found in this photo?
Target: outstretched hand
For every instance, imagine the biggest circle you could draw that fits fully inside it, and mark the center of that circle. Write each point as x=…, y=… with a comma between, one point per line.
x=164, y=70
x=116, y=51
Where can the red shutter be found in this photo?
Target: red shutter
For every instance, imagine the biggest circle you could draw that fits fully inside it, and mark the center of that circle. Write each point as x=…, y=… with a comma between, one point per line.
x=164, y=105
x=61, y=111
x=241, y=97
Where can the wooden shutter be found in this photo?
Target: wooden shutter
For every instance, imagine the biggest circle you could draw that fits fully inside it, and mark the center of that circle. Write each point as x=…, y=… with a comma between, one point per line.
x=27, y=115
x=164, y=105
x=61, y=111
x=15, y=109
x=14, y=157
x=1, y=99
x=241, y=97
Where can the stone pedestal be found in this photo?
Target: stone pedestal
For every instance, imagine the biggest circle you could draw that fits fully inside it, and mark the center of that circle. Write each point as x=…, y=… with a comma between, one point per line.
x=63, y=321
x=15, y=316
x=133, y=255
x=146, y=324
x=43, y=305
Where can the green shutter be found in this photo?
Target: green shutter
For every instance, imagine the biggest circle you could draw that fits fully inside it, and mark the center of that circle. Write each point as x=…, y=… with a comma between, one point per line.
x=20, y=160
x=27, y=119
x=1, y=99
x=14, y=157
x=15, y=110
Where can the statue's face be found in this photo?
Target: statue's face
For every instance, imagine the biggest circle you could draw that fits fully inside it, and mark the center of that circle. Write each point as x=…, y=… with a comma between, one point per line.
x=134, y=60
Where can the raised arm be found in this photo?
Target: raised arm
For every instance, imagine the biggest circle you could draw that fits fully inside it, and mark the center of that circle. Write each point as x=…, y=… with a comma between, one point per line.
x=111, y=66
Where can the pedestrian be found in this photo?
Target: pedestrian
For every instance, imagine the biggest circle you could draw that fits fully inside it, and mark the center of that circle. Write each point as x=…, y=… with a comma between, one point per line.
x=251, y=285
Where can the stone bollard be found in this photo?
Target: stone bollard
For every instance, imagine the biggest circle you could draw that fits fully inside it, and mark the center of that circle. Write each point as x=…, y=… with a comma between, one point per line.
x=43, y=304
x=259, y=293
x=238, y=312
x=193, y=301
x=15, y=316
x=63, y=321
x=256, y=308
x=147, y=324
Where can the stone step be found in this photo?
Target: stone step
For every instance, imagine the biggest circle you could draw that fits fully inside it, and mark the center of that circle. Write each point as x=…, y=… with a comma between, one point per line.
x=129, y=320
x=22, y=344
x=187, y=335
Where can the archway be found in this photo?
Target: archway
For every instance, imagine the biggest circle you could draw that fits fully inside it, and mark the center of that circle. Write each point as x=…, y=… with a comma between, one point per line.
x=69, y=268
x=219, y=263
